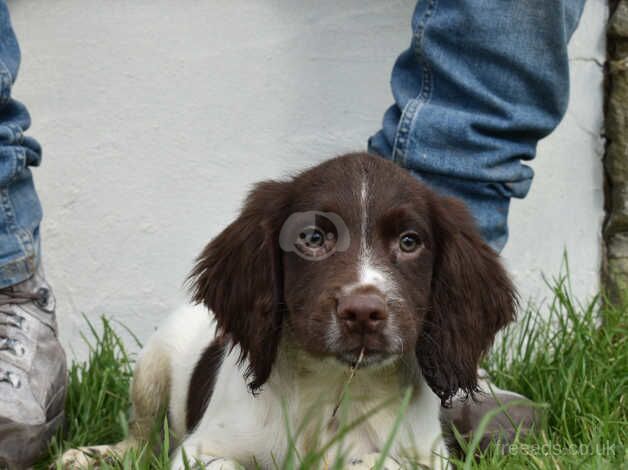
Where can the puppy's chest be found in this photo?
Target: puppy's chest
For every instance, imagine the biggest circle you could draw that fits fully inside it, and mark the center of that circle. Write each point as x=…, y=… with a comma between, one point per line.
x=360, y=419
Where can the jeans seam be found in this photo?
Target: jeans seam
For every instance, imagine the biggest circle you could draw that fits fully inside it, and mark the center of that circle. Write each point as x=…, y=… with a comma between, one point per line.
x=412, y=108
x=17, y=136
x=6, y=83
x=24, y=237
x=18, y=161
x=20, y=158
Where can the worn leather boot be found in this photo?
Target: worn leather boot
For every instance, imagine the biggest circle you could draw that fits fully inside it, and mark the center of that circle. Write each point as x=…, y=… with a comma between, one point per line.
x=33, y=373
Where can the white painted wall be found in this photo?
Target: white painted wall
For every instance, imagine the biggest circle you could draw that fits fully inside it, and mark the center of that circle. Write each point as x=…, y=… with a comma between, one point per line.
x=156, y=116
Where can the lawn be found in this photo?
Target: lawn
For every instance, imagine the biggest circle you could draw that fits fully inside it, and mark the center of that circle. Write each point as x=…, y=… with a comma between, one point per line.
x=558, y=355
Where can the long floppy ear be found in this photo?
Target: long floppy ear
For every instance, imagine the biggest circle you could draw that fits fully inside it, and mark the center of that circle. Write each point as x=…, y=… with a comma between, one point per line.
x=238, y=276
x=472, y=299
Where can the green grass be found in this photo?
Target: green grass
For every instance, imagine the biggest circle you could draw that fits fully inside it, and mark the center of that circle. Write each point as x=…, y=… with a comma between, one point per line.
x=559, y=356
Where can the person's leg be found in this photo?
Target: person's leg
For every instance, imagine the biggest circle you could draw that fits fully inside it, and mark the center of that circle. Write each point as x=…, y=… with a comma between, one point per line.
x=32, y=362
x=20, y=211
x=481, y=84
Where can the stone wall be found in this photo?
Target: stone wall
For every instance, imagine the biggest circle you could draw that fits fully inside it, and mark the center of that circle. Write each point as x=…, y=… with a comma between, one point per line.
x=615, y=269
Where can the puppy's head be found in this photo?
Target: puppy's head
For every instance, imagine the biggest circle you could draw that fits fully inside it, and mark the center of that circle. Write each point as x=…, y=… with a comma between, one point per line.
x=356, y=255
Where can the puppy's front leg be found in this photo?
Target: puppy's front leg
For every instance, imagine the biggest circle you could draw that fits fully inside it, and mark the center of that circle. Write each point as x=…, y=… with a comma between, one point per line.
x=196, y=460
x=90, y=457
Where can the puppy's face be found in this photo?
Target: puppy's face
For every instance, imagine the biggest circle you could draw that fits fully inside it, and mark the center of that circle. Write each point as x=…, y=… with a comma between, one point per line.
x=358, y=274
x=355, y=255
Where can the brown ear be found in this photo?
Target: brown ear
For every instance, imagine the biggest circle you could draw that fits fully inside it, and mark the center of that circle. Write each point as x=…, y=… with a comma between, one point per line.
x=472, y=298
x=238, y=277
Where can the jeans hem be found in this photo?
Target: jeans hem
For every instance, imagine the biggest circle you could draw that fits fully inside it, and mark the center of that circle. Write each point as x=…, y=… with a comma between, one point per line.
x=18, y=270
x=24, y=265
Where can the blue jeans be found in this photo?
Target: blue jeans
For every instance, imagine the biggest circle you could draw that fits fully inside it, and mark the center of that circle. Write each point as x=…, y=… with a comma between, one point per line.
x=20, y=211
x=482, y=82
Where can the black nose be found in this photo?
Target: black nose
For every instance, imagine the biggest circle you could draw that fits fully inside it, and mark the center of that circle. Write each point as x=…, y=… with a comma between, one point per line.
x=362, y=312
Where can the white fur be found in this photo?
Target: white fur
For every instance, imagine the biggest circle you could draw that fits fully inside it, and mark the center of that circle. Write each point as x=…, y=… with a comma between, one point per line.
x=246, y=428
x=367, y=274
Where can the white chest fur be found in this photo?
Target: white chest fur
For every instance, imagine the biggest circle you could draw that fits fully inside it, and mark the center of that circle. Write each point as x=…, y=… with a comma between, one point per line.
x=294, y=408
x=293, y=413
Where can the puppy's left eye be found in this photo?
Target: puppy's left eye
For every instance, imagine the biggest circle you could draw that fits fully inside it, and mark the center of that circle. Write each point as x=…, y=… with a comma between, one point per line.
x=312, y=237
x=409, y=242
x=314, y=242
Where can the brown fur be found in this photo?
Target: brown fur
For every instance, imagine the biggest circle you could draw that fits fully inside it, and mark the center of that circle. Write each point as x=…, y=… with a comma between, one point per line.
x=472, y=299
x=202, y=382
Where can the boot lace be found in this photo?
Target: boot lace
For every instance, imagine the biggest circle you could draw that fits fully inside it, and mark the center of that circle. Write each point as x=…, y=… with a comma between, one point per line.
x=8, y=317
x=10, y=378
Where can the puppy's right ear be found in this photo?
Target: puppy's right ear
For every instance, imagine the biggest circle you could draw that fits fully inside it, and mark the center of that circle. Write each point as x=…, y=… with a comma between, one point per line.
x=238, y=276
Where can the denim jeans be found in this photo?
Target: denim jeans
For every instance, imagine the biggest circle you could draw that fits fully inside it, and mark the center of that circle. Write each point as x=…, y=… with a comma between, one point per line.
x=481, y=83
x=20, y=211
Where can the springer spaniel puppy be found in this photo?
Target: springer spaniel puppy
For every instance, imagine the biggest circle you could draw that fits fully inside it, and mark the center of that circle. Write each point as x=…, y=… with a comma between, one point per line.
x=334, y=296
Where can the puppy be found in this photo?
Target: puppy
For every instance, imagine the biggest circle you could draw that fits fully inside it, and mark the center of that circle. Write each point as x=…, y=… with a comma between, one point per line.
x=351, y=283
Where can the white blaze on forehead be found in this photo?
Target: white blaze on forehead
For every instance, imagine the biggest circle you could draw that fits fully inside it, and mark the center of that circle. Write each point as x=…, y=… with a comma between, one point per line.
x=363, y=215
x=367, y=273
x=370, y=275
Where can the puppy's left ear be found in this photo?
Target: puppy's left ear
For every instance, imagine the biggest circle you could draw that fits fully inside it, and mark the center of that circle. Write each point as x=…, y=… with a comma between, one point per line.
x=472, y=299
x=239, y=277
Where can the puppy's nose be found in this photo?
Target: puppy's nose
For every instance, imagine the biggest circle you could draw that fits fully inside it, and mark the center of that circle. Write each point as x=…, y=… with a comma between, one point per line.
x=362, y=312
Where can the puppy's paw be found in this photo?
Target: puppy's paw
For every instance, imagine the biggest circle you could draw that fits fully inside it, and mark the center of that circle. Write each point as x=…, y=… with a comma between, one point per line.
x=368, y=461
x=85, y=457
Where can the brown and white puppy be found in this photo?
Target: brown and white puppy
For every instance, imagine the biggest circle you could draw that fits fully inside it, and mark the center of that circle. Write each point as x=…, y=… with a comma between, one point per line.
x=351, y=257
